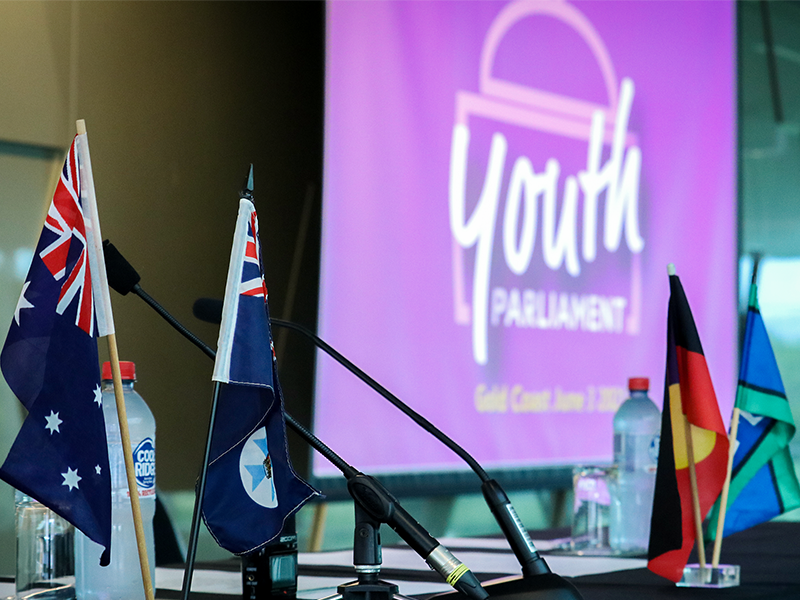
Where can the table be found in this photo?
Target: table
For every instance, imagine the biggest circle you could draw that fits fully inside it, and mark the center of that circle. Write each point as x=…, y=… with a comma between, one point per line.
x=769, y=557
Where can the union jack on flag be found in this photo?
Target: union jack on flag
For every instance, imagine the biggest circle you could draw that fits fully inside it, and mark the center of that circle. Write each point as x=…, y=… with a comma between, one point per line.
x=252, y=280
x=50, y=362
x=65, y=219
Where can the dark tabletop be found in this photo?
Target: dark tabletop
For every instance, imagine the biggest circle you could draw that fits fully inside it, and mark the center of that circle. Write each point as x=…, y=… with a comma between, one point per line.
x=768, y=556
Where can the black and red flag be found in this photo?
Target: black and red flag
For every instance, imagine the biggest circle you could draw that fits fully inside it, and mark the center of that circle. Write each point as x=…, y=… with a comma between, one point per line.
x=688, y=397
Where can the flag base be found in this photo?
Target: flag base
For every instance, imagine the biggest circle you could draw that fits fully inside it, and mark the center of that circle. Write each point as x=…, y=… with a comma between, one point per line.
x=723, y=576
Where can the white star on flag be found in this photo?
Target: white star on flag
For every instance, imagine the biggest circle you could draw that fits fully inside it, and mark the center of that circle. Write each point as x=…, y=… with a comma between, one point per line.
x=22, y=302
x=98, y=469
x=98, y=396
x=751, y=418
x=53, y=422
x=71, y=478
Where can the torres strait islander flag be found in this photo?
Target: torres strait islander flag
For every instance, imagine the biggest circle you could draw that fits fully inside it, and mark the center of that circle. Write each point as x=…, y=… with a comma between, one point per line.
x=689, y=403
x=763, y=480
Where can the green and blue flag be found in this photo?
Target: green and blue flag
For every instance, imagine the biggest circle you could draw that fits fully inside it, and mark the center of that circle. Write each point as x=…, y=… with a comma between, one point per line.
x=763, y=480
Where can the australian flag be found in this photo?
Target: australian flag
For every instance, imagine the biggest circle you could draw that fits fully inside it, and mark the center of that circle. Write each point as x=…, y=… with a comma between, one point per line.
x=50, y=362
x=251, y=488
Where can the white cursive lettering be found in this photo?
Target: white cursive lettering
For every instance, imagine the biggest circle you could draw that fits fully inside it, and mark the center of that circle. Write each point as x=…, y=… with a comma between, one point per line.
x=618, y=179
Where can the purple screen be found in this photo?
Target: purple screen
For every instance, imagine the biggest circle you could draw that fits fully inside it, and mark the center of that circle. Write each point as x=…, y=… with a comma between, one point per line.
x=505, y=184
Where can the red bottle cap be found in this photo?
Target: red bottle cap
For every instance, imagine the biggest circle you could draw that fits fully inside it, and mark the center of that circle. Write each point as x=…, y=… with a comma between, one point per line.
x=127, y=370
x=639, y=384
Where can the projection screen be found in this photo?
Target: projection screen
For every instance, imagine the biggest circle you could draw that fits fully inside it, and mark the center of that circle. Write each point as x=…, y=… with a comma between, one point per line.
x=504, y=186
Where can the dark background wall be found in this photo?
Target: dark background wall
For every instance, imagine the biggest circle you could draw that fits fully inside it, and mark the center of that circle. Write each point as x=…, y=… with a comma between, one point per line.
x=179, y=98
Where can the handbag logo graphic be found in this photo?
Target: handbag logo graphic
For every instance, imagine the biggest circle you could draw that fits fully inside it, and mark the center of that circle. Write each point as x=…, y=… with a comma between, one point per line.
x=570, y=226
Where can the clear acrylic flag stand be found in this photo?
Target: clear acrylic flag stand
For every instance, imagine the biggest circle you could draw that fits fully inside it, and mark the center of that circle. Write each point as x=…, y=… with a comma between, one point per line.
x=721, y=576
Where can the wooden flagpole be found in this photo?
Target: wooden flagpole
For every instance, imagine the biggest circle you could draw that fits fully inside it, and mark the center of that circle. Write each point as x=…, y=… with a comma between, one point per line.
x=133, y=491
x=698, y=519
x=723, y=502
x=723, y=499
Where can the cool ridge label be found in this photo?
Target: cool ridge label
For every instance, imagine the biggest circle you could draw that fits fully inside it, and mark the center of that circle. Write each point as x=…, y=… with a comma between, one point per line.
x=144, y=463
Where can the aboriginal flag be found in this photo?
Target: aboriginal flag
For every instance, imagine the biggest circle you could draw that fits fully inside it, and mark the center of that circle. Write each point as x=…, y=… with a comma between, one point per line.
x=689, y=404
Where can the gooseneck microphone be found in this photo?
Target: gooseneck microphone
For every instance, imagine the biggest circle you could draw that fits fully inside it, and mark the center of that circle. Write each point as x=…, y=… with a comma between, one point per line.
x=123, y=279
x=366, y=491
x=537, y=576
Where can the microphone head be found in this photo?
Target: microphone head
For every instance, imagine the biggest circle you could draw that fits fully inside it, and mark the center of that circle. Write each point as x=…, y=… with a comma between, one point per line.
x=208, y=310
x=122, y=277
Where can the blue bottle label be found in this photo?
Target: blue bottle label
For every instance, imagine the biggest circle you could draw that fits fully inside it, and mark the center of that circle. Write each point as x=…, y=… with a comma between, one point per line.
x=654, y=447
x=144, y=462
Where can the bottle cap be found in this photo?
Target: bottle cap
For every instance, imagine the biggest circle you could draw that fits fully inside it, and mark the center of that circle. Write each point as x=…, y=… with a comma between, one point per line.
x=127, y=370
x=639, y=384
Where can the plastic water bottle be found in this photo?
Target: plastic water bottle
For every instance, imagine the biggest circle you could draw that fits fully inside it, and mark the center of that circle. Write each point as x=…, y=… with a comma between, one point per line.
x=122, y=579
x=637, y=428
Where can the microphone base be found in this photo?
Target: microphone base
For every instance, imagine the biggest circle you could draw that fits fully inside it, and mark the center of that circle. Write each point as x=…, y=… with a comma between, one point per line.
x=547, y=586
x=374, y=590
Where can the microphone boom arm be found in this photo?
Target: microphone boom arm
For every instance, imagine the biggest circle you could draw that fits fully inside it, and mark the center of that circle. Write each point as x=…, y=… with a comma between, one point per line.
x=411, y=413
x=366, y=491
x=499, y=504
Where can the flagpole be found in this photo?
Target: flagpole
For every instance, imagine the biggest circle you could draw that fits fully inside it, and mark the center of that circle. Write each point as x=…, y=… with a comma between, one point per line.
x=133, y=491
x=197, y=512
x=698, y=519
x=723, y=498
x=105, y=326
x=734, y=431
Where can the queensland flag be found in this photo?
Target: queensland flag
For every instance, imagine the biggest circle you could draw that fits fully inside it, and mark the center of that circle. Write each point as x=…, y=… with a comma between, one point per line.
x=690, y=404
x=50, y=362
x=251, y=487
x=763, y=480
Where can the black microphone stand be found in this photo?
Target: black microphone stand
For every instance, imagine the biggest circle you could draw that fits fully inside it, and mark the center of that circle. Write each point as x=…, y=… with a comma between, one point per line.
x=537, y=580
x=366, y=561
x=374, y=503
